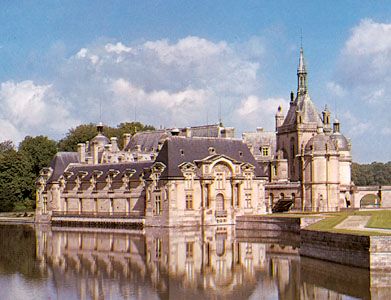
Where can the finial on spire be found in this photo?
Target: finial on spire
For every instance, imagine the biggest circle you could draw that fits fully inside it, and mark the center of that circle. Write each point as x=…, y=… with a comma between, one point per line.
x=301, y=68
x=301, y=74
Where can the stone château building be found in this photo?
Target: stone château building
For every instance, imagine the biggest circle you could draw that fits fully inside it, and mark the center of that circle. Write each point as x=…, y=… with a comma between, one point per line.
x=202, y=175
x=194, y=176
x=307, y=160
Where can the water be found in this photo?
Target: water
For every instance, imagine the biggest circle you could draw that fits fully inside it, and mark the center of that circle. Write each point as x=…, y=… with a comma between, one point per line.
x=216, y=263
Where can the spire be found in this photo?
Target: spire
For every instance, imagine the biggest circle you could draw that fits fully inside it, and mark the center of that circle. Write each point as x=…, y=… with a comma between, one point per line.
x=301, y=68
x=301, y=74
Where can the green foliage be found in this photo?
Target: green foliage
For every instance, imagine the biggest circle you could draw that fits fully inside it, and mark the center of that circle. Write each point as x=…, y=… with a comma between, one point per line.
x=6, y=145
x=87, y=132
x=80, y=134
x=16, y=179
x=40, y=151
x=371, y=174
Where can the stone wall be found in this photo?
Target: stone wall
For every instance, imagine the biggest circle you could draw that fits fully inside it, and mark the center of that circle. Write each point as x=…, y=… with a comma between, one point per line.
x=354, y=250
x=267, y=223
x=347, y=249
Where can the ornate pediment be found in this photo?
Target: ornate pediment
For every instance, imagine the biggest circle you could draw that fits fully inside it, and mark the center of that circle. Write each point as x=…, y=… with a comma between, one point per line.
x=247, y=167
x=158, y=168
x=187, y=167
x=45, y=173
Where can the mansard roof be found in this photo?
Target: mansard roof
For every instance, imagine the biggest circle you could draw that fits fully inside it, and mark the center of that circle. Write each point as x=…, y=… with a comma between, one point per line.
x=60, y=162
x=121, y=168
x=177, y=150
x=147, y=140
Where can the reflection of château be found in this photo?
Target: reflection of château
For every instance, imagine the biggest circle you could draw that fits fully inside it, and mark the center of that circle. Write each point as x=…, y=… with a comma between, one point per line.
x=173, y=263
x=180, y=264
x=202, y=175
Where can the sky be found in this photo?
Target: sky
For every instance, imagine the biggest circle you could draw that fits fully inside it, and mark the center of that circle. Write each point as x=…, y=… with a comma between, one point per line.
x=170, y=64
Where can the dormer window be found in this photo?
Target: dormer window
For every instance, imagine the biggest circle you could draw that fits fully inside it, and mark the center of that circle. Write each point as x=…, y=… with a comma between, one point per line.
x=265, y=151
x=211, y=150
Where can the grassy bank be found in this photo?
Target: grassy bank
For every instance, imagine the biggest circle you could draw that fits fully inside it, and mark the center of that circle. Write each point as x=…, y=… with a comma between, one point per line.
x=380, y=219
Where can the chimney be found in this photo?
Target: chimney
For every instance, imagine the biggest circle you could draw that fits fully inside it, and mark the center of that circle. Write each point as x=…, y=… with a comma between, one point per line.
x=114, y=144
x=94, y=151
x=81, y=150
x=188, y=132
x=126, y=139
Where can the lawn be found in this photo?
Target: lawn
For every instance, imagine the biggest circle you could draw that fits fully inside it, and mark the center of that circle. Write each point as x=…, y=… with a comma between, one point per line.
x=380, y=219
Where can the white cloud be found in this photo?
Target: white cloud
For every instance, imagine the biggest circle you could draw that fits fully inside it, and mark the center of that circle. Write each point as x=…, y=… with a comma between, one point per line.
x=168, y=83
x=364, y=75
x=357, y=127
x=336, y=89
x=255, y=111
x=28, y=108
x=117, y=48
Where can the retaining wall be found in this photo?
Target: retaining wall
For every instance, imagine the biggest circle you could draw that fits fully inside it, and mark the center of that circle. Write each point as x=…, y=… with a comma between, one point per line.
x=371, y=252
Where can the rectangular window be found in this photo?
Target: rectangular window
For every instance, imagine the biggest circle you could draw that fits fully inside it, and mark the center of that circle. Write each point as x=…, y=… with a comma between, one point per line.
x=189, y=249
x=158, y=205
x=248, y=180
x=189, y=201
x=219, y=180
x=188, y=181
x=247, y=200
x=265, y=151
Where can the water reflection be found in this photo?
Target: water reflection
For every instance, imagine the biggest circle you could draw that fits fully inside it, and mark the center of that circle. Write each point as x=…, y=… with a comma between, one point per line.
x=215, y=263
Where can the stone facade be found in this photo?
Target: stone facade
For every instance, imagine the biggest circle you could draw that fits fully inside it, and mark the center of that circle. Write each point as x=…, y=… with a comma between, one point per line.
x=160, y=178
x=307, y=161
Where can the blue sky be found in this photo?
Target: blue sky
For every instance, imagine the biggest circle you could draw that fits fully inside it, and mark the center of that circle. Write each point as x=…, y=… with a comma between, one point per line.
x=173, y=61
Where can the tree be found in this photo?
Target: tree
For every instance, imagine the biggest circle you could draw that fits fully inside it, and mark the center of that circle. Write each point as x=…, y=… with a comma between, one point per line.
x=79, y=134
x=6, y=145
x=87, y=132
x=40, y=150
x=16, y=179
x=371, y=174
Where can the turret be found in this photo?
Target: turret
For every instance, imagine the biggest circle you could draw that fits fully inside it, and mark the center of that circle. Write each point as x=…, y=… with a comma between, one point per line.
x=326, y=120
x=279, y=117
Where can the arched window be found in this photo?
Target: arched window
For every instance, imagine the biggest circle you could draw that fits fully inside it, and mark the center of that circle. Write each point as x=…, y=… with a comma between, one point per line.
x=220, y=202
x=282, y=196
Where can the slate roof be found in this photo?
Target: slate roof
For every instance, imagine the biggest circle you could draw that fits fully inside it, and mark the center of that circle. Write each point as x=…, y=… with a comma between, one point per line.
x=259, y=139
x=177, y=150
x=205, y=131
x=318, y=143
x=341, y=141
x=309, y=113
x=147, y=140
x=60, y=162
x=105, y=168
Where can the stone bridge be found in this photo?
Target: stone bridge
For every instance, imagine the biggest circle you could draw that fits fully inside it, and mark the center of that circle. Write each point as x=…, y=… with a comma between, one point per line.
x=372, y=196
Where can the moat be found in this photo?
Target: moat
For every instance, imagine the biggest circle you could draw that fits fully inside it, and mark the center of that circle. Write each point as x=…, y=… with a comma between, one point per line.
x=217, y=262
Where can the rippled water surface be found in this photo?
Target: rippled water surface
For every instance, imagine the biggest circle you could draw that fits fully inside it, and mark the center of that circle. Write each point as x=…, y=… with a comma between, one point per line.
x=214, y=263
